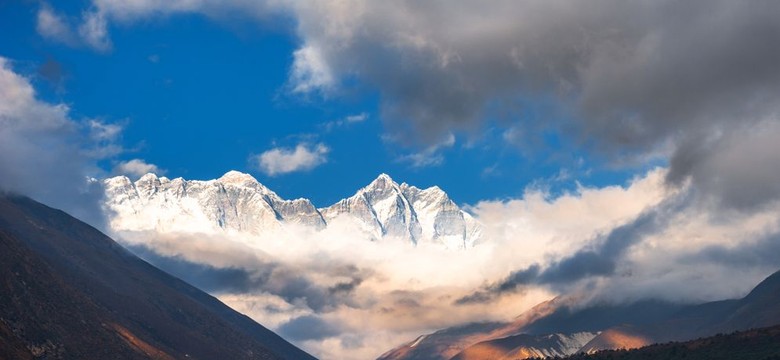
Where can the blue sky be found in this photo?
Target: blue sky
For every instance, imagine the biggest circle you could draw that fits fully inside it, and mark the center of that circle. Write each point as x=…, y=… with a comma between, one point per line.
x=199, y=96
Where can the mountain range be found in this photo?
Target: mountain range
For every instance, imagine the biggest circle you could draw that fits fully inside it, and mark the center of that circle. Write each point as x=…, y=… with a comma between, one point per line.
x=562, y=326
x=71, y=292
x=754, y=344
x=238, y=203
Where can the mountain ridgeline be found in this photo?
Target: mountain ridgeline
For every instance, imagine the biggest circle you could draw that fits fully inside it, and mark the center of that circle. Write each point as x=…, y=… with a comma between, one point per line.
x=755, y=344
x=70, y=292
x=238, y=203
x=562, y=327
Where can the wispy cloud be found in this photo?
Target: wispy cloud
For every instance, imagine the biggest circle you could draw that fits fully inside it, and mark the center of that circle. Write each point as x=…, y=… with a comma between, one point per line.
x=431, y=155
x=54, y=26
x=92, y=31
x=345, y=121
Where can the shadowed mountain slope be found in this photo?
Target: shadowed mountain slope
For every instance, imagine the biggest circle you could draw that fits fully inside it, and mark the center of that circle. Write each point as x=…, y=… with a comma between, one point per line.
x=757, y=344
x=558, y=316
x=618, y=326
x=760, y=308
x=70, y=292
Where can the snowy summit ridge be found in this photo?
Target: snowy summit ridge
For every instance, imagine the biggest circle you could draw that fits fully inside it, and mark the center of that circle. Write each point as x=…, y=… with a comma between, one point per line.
x=238, y=203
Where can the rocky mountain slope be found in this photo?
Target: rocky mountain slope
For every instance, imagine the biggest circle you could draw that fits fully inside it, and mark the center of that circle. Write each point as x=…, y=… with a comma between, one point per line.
x=238, y=203
x=70, y=292
x=524, y=346
x=760, y=308
x=763, y=344
x=612, y=327
x=559, y=316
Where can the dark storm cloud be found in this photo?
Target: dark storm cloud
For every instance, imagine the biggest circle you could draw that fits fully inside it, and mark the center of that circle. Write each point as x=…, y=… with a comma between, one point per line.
x=765, y=252
x=635, y=68
x=345, y=287
x=515, y=280
x=630, y=78
x=739, y=168
x=308, y=327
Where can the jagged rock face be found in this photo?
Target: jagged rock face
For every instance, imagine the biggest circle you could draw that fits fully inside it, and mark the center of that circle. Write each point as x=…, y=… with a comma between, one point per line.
x=237, y=202
x=441, y=219
x=387, y=209
x=382, y=209
x=524, y=346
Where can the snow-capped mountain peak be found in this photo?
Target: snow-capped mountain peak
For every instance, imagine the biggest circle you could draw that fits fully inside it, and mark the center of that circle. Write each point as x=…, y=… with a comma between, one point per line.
x=381, y=184
x=237, y=202
x=386, y=209
x=237, y=178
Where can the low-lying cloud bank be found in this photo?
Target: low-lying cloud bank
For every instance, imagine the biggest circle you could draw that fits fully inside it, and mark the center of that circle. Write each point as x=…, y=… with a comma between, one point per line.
x=343, y=296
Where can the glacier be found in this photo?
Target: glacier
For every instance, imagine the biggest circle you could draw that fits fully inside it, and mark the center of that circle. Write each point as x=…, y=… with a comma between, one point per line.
x=237, y=203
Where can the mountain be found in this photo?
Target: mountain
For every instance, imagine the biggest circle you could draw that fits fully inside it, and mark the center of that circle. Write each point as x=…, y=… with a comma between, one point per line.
x=235, y=202
x=70, y=292
x=760, y=308
x=524, y=346
x=559, y=316
x=444, y=343
x=612, y=326
x=762, y=344
x=387, y=209
x=238, y=203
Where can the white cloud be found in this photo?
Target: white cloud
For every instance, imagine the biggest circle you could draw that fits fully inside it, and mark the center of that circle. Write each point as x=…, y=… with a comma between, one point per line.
x=136, y=168
x=104, y=138
x=53, y=26
x=101, y=131
x=310, y=72
x=278, y=161
x=545, y=226
x=94, y=31
x=91, y=32
x=46, y=154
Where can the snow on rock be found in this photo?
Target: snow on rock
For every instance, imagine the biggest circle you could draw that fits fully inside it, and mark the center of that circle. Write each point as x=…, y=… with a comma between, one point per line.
x=237, y=202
